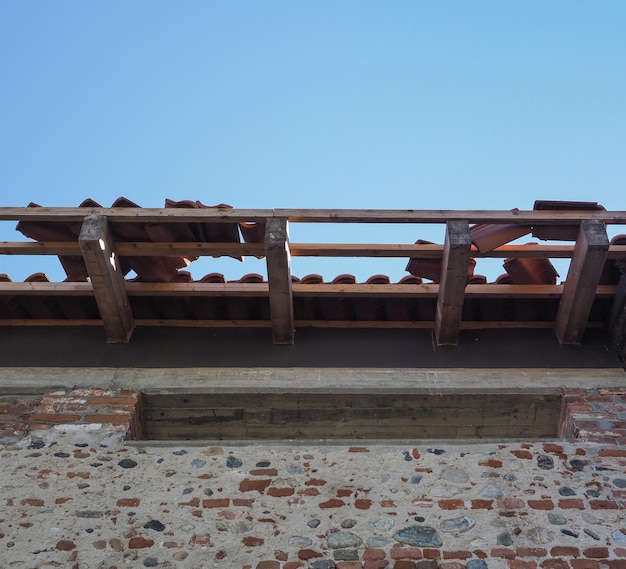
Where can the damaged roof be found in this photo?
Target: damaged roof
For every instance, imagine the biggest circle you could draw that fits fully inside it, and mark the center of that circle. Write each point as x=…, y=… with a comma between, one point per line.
x=127, y=266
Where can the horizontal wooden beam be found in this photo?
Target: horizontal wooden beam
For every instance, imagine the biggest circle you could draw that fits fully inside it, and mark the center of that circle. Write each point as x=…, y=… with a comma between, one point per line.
x=181, y=323
x=175, y=215
x=177, y=249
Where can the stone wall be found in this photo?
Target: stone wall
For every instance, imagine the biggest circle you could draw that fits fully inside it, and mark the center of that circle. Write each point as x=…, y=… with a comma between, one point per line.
x=73, y=493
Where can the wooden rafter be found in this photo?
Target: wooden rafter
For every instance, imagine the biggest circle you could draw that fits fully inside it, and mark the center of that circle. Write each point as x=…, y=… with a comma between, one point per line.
x=279, y=279
x=456, y=254
x=582, y=281
x=106, y=279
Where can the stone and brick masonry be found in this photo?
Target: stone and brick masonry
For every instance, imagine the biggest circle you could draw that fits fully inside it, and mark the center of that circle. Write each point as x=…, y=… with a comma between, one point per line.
x=74, y=494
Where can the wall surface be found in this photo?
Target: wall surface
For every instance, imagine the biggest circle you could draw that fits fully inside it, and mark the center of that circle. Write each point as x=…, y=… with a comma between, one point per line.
x=74, y=494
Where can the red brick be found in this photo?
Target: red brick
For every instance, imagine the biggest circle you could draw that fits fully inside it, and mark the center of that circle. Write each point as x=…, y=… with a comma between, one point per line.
x=482, y=504
x=564, y=551
x=358, y=449
x=612, y=452
x=404, y=565
x=554, y=564
x=268, y=565
x=451, y=565
x=348, y=565
x=315, y=482
x=571, y=504
x=243, y=502
x=333, y=503
x=431, y=554
x=251, y=541
x=280, y=492
x=66, y=545
x=584, y=564
x=541, y=504
x=305, y=554
x=596, y=552
x=371, y=553
x=615, y=564
x=293, y=565
x=522, y=454
x=531, y=552
x=249, y=485
x=32, y=502
x=620, y=551
x=452, y=504
x=194, y=503
x=457, y=555
x=216, y=503
x=511, y=504
x=603, y=505
x=387, y=504
x=128, y=502
x=309, y=492
x=401, y=552
x=503, y=553
x=375, y=564
x=492, y=463
x=362, y=504
x=140, y=543
x=132, y=401
x=264, y=472
x=344, y=492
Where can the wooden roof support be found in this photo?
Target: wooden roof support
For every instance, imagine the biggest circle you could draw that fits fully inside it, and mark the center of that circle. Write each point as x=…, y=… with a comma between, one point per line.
x=279, y=279
x=617, y=317
x=107, y=281
x=590, y=253
x=456, y=254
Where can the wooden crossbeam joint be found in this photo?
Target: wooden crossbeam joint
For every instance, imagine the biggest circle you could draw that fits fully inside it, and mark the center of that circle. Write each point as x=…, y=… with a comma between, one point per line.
x=579, y=291
x=456, y=255
x=107, y=281
x=278, y=261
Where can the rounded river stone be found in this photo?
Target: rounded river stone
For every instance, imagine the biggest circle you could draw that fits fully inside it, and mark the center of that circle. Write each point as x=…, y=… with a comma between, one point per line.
x=458, y=525
x=343, y=539
x=420, y=536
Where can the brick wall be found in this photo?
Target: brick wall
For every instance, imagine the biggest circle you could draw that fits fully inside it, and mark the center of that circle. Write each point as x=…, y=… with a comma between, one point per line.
x=77, y=410
x=72, y=501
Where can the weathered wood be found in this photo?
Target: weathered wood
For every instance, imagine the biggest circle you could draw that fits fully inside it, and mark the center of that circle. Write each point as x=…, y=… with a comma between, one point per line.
x=279, y=279
x=617, y=316
x=134, y=249
x=324, y=415
x=582, y=281
x=174, y=215
x=456, y=254
x=106, y=279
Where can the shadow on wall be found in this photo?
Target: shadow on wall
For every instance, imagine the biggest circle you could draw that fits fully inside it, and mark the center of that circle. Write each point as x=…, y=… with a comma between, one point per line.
x=181, y=348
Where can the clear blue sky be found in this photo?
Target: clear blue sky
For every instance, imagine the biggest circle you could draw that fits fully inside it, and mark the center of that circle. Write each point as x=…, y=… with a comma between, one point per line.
x=342, y=104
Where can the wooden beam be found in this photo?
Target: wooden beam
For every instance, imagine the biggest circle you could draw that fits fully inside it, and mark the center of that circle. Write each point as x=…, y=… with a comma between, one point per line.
x=617, y=316
x=584, y=273
x=182, y=249
x=279, y=279
x=107, y=280
x=456, y=254
x=175, y=215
